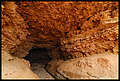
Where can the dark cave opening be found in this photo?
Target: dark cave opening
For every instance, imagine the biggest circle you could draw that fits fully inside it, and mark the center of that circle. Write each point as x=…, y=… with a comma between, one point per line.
x=39, y=58
x=38, y=55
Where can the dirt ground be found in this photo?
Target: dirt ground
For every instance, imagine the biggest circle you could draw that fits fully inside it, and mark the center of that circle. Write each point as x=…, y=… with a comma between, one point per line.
x=39, y=69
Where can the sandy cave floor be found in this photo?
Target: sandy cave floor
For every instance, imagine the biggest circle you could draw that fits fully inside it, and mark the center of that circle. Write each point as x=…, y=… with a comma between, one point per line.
x=39, y=69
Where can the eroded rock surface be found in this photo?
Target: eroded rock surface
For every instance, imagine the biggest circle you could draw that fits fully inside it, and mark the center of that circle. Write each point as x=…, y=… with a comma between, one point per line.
x=94, y=41
x=71, y=29
x=52, y=24
x=101, y=66
x=14, y=31
x=16, y=68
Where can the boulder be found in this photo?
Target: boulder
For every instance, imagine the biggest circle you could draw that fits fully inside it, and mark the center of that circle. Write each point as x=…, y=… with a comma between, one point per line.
x=101, y=66
x=16, y=68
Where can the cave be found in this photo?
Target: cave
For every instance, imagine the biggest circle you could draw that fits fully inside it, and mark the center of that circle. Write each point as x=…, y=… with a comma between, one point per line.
x=38, y=55
x=59, y=40
x=39, y=58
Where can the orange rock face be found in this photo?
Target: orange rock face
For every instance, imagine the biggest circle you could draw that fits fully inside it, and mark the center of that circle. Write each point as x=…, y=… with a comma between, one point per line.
x=71, y=29
x=14, y=30
x=94, y=41
x=75, y=28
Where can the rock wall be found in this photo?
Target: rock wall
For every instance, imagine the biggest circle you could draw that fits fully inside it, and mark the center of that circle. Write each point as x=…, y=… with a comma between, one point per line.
x=71, y=30
x=14, y=30
x=101, y=39
x=59, y=26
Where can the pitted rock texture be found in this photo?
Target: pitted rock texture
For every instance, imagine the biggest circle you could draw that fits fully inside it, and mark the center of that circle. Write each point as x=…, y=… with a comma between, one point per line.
x=94, y=41
x=71, y=29
x=50, y=21
x=100, y=37
x=14, y=31
x=45, y=24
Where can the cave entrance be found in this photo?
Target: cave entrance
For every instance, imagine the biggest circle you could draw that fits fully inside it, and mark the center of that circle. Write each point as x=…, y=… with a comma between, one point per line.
x=38, y=55
x=38, y=58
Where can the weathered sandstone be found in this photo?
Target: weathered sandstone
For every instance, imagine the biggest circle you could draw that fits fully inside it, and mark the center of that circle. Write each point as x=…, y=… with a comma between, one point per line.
x=99, y=66
x=16, y=68
x=71, y=30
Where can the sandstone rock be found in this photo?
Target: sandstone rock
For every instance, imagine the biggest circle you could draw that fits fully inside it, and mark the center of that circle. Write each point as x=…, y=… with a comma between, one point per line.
x=94, y=41
x=16, y=68
x=39, y=69
x=101, y=66
x=52, y=68
x=14, y=31
x=76, y=29
x=49, y=24
x=99, y=39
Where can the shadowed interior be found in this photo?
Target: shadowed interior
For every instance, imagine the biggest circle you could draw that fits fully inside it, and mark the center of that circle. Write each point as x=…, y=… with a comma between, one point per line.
x=38, y=55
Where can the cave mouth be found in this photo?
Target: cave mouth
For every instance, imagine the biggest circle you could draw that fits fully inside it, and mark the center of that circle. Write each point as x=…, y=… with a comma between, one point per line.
x=39, y=58
x=38, y=55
